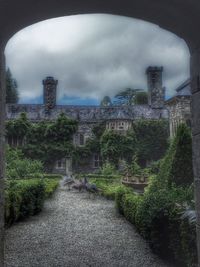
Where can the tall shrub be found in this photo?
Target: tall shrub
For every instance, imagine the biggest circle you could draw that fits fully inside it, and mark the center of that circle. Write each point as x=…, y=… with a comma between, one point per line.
x=176, y=168
x=152, y=139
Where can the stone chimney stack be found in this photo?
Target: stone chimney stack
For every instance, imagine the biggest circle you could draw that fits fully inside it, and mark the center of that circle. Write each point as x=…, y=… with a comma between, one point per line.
x=156, y=92
x=49, y=92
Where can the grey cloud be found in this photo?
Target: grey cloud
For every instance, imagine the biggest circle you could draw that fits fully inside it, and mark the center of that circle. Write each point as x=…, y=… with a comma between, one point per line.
x=93, y=56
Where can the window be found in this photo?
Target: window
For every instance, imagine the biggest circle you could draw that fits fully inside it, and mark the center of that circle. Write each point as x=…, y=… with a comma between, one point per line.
x=60, y=164
x=81, y=139
x=96, y=161
x=188, y=122
x=9, y=140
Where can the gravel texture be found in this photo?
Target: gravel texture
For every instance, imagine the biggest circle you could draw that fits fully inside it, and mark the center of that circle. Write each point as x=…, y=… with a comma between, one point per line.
x=74, y=230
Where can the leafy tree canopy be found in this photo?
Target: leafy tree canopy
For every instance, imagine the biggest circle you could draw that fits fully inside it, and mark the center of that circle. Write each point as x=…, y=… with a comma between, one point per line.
x=12, y=95
x=106, y=101
x=46, y=141
x=141, y=98
x=115, y=146
x=19, y=127
x=152, y=139
x=126, y=97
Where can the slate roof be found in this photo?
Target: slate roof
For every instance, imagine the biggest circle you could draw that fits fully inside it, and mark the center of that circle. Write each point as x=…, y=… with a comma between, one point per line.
x=184, y=89
x=85, y=113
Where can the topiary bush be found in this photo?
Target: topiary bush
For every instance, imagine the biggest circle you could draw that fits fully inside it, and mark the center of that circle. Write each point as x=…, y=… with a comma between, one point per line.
x=152, y=139
x=176, y=168
x=158, y=213
x=119, y=197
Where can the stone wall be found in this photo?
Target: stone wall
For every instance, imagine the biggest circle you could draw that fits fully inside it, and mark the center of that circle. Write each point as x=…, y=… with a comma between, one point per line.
x=179, y=112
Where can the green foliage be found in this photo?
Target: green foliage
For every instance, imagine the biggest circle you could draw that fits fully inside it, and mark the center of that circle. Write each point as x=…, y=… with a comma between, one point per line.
x=12, y=95
x=141, y=98
x=52, y=176
x=61, y=130
x=152, y=139
x=158, y=217
x=158, y=213
x=110, y=151
x=128, y=146
x=109, y=178
x=50, y=141
x=50, y=186
x=108, y=169
x=130, y=203
x=177, y=165
x=106, y=102
x=126, y=97
x=121, y=191
x=24, y=198
x=135, y=168
x=109, y=185
x=115, y=146
x=19, y=127
x=154, y=167
x=18, y=167
x=99, y=129
x=81, y=154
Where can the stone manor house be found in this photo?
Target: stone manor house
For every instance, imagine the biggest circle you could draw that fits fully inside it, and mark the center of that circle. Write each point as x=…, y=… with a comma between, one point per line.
x=117, y=118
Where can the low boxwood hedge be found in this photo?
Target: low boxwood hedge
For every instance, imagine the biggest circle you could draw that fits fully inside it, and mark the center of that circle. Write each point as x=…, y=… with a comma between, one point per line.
x=158, y=218
x=24, y=198
x=50, y=186
x=52, y=176
x=108, y=187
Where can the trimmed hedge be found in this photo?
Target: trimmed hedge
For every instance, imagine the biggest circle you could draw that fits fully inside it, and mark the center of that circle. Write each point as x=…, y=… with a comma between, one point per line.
x=50, y=186
x=100, y=176
x=159, y=220
x=24, y=198
x=108, y=187
x=52, y=176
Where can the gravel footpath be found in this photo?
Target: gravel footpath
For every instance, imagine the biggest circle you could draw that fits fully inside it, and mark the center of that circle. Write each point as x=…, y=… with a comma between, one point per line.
x=74, y=231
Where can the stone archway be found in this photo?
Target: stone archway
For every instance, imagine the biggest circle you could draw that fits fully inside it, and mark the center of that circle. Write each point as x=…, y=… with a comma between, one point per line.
x=179, y=17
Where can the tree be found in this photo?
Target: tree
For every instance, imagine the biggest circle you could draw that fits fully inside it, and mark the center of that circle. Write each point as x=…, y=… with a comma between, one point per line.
x=106, y=101
x=176, y=167
x=51, y=141
x=110, y=147
x=152, y=139
x=115, y=146
x=12, y=95
x=141, y=98
x=17, y=130
x=126, y=97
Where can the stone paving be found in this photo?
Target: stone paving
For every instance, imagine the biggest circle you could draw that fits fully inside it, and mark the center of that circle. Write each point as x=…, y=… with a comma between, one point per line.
x=76, y=231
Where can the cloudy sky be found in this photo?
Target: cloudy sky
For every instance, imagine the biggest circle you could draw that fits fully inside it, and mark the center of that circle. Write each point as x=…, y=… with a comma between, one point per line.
x=93, y=56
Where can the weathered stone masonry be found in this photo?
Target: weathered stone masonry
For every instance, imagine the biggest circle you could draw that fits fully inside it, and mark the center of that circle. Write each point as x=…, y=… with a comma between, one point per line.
x=118, y=118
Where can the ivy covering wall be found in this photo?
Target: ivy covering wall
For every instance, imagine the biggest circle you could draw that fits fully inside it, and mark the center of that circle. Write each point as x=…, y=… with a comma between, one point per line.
x=49, y=141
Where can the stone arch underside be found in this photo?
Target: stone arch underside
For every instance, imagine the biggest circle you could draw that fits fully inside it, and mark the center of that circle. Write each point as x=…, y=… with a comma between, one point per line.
x=181, y=17
x=177, y=16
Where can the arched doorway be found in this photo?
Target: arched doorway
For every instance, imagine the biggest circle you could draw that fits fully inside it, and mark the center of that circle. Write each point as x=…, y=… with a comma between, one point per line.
x=175, y=16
